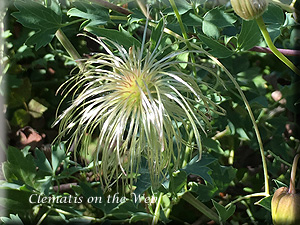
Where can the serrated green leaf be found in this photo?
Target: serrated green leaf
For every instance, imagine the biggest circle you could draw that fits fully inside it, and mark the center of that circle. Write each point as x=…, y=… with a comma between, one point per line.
x=44, y=20
x=199, y=167
x=224, y=213
x=250, y=35
x=218, y=50
x=19, y=167
x=95, y=14
x=204, y=192
x=121, y=37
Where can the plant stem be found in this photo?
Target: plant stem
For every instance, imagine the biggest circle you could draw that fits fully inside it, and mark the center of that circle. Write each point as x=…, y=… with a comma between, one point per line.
x=69, y=47
x=157, y=209
x=287, y=52
x=200, y=206
x=188, y=149
x=72, y=22
x=183, y=31
x=261, y=194
x=112, y=7
x=288, y=8
x=292, y=189
x=43, y=217
x=269, y=42
x=261, y=147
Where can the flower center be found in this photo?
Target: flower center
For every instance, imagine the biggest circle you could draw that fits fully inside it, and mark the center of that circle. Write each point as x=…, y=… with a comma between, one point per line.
x=132, y=86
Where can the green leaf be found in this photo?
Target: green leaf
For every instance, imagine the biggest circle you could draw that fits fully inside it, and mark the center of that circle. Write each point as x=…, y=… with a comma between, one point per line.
x=265, y=202
x=182, y=5
x=18, y=167
x=224, y=213
x=274, y=19
x=42, y=162
x=58, y=155
x=274, y=15
x=210, y=29
x=20, y=95
x=177, y=181
x=143, y=181
x=11, y=220
x=121, y=37
x=156, y=33
x=95, y=14
x=199, y=167
x=44, y=20
x=20, y=118
x=250, y=35
x=36, y=109
x=215, y=19
x=214, y=145
x=219, y=18
x=218, y=50
x=97, y=199
x=190, y=19
x=45, y=185
x=16, y=201
x=205, y=192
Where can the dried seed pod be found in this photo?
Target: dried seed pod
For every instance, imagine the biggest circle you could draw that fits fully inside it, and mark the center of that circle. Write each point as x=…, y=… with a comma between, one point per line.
x=249, y=9
x=285, y=207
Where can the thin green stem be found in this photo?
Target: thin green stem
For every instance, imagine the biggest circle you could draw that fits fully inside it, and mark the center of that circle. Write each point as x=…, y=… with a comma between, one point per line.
x=69, y=47
x=269, y=42
x=200, y=206
x=261, y=147
x=43, y=217
x=183, y=31
x=288, y=8
x=292, y=189
x=115, y=17
x=279, y=158
x=157, y=209
x=188, y=149
x=261, y=194
x=72, y=22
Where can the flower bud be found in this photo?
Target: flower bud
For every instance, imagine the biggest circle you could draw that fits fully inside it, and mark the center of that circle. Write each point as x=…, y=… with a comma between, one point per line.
x=285, y=207
x=249, y=9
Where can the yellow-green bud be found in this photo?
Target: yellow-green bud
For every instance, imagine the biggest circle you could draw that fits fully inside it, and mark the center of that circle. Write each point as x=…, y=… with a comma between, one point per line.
x=285, y=207
x=249, y=9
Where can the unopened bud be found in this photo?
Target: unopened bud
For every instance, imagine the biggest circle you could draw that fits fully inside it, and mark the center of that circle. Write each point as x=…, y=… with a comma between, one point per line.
x=249, y=9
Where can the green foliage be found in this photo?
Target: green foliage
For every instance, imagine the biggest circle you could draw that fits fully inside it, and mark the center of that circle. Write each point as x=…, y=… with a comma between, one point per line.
x=44, y=20
x=230, y=167
x=93, y=13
